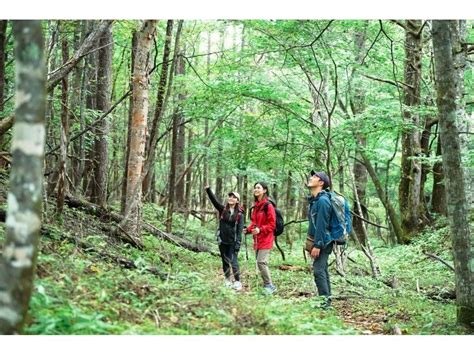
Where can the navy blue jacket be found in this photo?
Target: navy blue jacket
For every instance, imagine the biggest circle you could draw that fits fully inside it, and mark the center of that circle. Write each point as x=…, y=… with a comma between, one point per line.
x=319, y=214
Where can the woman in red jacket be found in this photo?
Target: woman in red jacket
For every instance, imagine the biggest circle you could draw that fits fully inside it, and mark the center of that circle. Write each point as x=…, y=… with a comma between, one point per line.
x=262, y=226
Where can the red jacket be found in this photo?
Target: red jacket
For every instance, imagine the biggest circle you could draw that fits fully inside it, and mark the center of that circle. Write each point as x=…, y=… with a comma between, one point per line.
x=265, y=220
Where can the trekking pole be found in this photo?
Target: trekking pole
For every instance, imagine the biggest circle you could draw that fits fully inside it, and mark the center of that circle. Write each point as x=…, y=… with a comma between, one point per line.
x=246, y=249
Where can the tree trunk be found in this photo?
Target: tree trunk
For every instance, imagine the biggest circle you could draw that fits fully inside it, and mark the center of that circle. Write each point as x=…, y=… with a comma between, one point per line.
x=383, y=198
x=425, y=166
x=180, y=146
x=438, y=199
x=76, y=114
x=172, y=176
x=159, y=111
x=458, y=208
x=23, y=222
x=360, y=179
x=3, y=45
x=411, y=210
x=62, y=182
x=178, y=187
x=357, y=105
x=101, y=131
x=138, y=130
x=91, y=105
x=364, y=240
x=129, y=128
x=189, y=176
x=205, y=177
x=458, y=41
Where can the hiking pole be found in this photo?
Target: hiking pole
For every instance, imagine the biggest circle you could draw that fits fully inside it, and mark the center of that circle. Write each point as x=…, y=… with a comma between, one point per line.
x=246, y=249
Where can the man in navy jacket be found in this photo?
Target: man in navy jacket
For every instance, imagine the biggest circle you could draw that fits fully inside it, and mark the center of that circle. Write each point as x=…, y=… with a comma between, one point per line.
x=319, y=214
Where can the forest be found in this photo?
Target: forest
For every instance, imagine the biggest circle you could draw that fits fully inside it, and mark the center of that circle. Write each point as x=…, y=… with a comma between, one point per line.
x=111, y=130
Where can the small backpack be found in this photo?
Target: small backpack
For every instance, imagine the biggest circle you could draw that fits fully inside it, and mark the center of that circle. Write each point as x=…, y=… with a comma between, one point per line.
x=280, y=223
x=340, y=221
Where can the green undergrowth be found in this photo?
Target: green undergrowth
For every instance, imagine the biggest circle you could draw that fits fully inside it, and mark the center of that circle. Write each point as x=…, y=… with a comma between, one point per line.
x=83, y=286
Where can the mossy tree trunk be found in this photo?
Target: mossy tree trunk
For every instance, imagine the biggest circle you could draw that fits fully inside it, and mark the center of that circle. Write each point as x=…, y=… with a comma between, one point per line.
x=26, y=178
x=457, y=201
x=411, y=210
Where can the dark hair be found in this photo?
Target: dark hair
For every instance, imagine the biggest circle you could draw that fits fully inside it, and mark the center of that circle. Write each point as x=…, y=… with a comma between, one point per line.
x=264, y=186
x=226, y=212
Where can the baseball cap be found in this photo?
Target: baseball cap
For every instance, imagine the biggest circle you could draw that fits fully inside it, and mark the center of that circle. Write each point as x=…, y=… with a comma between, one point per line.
x=323, y=177
x=235, y=194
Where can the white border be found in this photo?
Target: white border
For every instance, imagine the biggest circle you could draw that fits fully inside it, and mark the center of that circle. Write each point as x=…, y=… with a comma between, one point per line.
x=239, y=9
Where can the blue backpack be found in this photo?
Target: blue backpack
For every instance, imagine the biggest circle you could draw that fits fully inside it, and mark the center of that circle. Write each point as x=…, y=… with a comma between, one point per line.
x=340, y=222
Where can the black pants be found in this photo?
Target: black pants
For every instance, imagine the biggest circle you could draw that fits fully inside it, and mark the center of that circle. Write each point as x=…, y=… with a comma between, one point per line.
x=229, y=259
x=321, y=274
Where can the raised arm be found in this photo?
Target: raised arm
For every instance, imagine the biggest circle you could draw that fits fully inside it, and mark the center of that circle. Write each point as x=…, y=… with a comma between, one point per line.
x=214, y=201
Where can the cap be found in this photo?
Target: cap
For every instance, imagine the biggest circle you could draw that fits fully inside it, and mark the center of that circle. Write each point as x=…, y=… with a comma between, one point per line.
x=237, y=195
x=323, y=177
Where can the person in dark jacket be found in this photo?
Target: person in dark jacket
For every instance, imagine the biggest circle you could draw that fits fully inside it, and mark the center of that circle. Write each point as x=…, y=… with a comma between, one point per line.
x=231, y=223
x=262, y=226
x=319, y=214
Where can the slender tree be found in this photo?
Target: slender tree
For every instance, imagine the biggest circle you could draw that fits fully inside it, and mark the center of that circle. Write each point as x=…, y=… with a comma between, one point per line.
x=3, y=44
x=140, y=87
x=62, y=182
x=159, y=111
x=101, y=131
x=438, y=195
x=129, y=127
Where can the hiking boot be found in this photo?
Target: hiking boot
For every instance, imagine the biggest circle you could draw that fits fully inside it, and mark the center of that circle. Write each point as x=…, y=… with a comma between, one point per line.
x=237, y=286
x=269, y=289
x=323, y=303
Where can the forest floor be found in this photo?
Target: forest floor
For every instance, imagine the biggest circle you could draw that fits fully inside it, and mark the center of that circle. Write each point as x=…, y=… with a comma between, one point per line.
x=89, y=283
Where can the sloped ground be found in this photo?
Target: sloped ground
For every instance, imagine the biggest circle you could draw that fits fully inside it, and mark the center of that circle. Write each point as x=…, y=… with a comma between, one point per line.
x=89, y=283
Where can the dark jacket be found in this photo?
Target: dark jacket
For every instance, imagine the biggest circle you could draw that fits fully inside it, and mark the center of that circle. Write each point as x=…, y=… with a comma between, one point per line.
x=319, y=214
x=230, y=226
x=264, y=218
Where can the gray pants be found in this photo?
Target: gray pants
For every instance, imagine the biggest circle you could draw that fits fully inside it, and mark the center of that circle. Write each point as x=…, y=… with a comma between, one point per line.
x=321, y=274
x=262, y=263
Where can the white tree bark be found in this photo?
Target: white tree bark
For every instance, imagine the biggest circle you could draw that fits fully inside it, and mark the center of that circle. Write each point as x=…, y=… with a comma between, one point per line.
x=23, y=221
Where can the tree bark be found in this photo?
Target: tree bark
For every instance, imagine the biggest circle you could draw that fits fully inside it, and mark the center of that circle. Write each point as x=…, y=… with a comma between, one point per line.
x=3, y=47
x=91, y=105
x=181, y=137
x=159, y=111
x=101, y=131
x=438, y=199
x=3, y=33
x=138, y=127
x=383, y=198
x=189, y=176
x=76, y=114
x=205, y=171
x=458, y=208
x=62, y=182
x=129, y=127
x=411, y=210
x=23, y=222
x=357, y=105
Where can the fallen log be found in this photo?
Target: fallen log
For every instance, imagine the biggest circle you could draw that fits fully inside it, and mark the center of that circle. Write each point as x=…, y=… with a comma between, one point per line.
x=105, y=215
